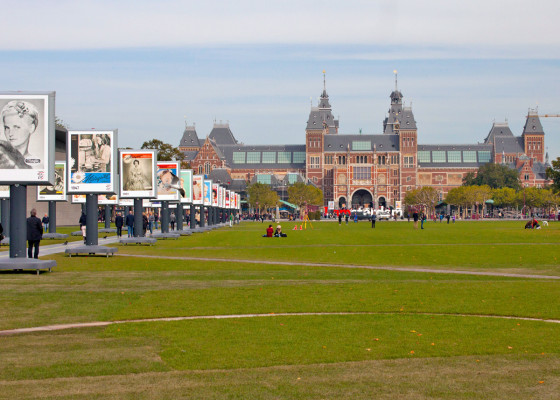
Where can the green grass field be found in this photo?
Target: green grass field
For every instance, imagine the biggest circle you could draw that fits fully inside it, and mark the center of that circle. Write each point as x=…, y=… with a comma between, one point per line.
x=468, y=310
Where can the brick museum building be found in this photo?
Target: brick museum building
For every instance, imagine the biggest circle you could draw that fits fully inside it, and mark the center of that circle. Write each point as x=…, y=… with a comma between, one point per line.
x=356, y=169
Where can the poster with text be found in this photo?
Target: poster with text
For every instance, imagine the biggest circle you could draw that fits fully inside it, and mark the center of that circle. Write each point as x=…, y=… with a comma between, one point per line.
x=4, y=192
x=168, y=182
x=78, y=199
x=228, y=205
x=126, y=202
x=56, y=192
x=138, y=174
x=187, y=184
x=27, y=138
x=91, y=162
x=198, y=189
x=107, y=199
x=207, y=192
x=220, y=197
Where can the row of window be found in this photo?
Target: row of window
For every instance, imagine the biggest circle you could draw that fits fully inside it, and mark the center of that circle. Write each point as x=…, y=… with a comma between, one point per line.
x=268, y=157
x=454, y=156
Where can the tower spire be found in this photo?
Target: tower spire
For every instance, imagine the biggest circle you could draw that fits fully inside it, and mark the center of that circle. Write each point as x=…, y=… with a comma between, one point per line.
x=324, y=80
x=396, y=87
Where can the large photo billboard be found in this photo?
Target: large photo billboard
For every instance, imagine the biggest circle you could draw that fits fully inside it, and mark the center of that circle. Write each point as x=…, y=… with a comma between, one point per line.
x=187, y=184
x=168, y=182
x=4, y=192
x=215, y=190
x=56, y=192
x=138, y=174
x=27, y=137
x=207, y=192
x=198, y=189
x=92, y=161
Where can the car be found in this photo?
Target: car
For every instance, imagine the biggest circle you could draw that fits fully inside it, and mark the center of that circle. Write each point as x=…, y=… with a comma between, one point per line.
x=383, y=215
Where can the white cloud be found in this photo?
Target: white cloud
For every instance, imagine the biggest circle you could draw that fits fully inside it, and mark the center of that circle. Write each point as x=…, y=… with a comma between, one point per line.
x=476, y=27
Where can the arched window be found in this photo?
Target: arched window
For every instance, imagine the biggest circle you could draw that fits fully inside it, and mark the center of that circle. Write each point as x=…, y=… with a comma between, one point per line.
x=200, y=169
x=207, y=168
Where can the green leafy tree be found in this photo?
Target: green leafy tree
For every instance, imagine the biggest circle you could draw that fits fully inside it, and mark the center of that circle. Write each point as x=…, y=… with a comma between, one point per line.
x=261, y=196
x=301, y=194
x=504, y=197
x=494, y=175
x=60, y=124
x=166, y=152
x=426, y=197
x=553, y=173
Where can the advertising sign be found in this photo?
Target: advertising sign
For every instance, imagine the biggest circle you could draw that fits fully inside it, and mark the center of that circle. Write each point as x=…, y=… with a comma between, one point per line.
x=138, y=174
x=126, y=202
x=102, y=199
x=27, y=138
x=220, y=197
x=228, y=205
x=4, y=192
x=331, y=205
x=187, y=184
x=215, y=189
x=168, y=182
x=198, y=189
x=207, y=192
x=56, y=192
x=91, y=162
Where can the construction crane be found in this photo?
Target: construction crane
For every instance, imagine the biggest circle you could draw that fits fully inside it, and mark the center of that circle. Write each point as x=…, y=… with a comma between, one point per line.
x=549, y=116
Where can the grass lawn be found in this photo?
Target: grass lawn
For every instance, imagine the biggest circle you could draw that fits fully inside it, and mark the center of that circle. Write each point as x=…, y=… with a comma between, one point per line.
x=377, y=333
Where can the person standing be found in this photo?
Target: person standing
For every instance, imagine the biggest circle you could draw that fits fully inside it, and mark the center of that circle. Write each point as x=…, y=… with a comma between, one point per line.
x=151, y=222
x=448, y=217
x=415, y=218
x=130, y=224
x=172, y=221
x=373, y=218
x=156, y=219
x=230, y=220
x=83, y=223
x=119, y=222
x=45, y=222
x=422, y=219
x=144, y=224
x=34, y=234
x=346, y=216
x=339, y=218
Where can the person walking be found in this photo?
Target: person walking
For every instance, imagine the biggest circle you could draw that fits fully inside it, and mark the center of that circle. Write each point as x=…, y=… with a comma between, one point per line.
x=34, y=234
x=448, y=217
x=172, y=220
x=45, y=222
x=415, y=218
x=83, y=223
x=230, y=220
x=422, y=220
x=145, y=223
x=373, y=218
x=156, y=219
x=119, y=222
x=339, y=218
x=346, y=216
x=130, y=224
x=151, y=222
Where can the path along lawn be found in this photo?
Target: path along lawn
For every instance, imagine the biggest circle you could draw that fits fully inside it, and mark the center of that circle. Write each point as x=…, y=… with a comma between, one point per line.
x=417, y=334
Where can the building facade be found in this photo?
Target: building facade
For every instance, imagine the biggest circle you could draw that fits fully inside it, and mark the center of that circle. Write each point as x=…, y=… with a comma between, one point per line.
x=356, y=169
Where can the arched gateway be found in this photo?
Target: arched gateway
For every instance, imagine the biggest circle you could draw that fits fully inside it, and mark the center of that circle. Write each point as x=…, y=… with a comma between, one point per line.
x=361, y=198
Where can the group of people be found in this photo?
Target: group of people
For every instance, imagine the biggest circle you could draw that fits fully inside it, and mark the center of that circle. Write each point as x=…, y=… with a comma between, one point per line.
x=270, y=232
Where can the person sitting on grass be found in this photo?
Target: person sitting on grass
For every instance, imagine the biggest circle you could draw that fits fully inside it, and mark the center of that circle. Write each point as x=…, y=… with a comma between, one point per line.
x=278, y=232
x=269, y=231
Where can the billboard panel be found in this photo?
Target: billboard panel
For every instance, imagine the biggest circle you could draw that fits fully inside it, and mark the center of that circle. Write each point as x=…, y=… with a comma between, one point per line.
x=56, y=192
x=215, y=188
x=227, y=199
x=187, y=184
x=168, y=182
x=91, y=162
x=27, y=138
x=207, y=196
x=4, y=192
x=198, y=189
x=138, y=174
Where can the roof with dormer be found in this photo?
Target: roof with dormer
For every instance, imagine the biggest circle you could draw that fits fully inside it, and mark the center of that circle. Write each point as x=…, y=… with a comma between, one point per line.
x=221, y=134
x=190, y=138
x=498, y=129
x=361, y=143
x=533, y=124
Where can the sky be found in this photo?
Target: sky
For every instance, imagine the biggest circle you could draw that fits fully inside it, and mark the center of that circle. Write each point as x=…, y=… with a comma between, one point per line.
x=148, y=68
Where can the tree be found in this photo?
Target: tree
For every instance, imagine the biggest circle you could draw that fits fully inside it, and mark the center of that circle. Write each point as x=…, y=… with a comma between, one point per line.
x=504, y=197
x=554, y=174
x=166, y=152
x=60, y=124
x=494, y=175
x=425, y=197
x=261, y=196
x=301, y=194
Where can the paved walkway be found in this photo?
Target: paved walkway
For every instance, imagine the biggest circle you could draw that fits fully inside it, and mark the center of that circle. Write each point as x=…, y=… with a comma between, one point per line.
x=48, y=249
x=60, y=327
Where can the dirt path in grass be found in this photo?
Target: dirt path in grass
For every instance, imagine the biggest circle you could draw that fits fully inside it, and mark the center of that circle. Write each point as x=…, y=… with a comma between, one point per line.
x=49, y=328
x=387, y=268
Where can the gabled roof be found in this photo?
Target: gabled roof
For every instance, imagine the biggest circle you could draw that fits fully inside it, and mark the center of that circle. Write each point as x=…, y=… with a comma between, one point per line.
x=221, y=134
x=319, y=115
x=498, y=129
x=407, y=120
x=338, y=143
x=221, y=176
x=190, y=138
x=190, y=155
x=533, y=124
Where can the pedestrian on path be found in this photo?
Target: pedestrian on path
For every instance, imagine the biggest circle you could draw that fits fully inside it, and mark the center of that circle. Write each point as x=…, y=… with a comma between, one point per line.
x=373, y=218
x=130, y=224
x=83, y=223
x=415, y=218
x=34, y=234
x=45, y=222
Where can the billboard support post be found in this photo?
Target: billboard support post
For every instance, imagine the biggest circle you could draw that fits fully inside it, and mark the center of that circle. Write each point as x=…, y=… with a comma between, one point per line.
x=52, y=216
x=164, y=217
x=6, y=217
x=18, y=226
x=192, y=216
x=138, y=221
x=179, y=216
x=92, y=237
x=202, y=216
x=107, y=217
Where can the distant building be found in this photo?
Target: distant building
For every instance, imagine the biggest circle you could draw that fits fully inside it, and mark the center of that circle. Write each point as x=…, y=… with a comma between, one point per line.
x=356, y=169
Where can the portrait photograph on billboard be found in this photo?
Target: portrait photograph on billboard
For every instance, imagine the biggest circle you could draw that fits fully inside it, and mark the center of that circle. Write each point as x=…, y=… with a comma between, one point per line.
x=220, y=197
x=207, y=192
x=138, y=173
x=198, y=189
x=91, y=161
x=187, y=184
x=107, y=199
x=168, y=182
x=27, y=138
x=56, y=192
x=227, y=199
x=215, y=189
